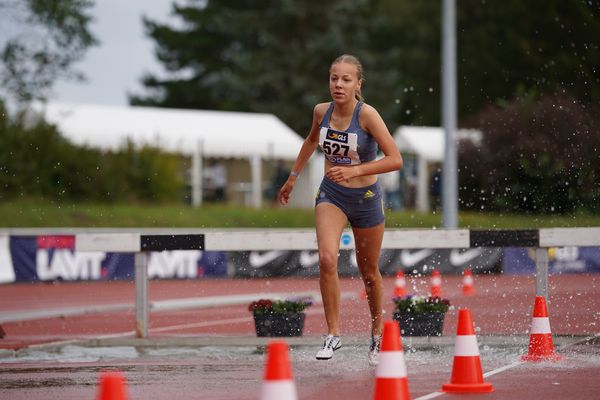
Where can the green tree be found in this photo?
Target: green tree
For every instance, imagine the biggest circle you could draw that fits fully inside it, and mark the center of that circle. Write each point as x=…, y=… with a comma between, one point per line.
x=41, y=41
x=36, y=161
x=273, y=55
x=515, y=49
x=257, y=55
x=539, y=157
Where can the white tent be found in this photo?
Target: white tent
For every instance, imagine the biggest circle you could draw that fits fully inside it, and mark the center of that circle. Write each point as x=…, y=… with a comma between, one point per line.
x=197, y=133
x=426, y=144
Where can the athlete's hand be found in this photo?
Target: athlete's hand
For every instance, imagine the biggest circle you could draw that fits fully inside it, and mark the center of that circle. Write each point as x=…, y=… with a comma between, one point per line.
x=340, y=174
x=286, y=191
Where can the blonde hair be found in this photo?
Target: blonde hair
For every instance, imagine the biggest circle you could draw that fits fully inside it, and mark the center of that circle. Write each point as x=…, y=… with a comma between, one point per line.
x=350, y=59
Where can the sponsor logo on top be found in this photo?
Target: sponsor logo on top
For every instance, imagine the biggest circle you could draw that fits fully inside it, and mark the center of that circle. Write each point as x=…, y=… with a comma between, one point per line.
x=346, y=239
x=337, y=136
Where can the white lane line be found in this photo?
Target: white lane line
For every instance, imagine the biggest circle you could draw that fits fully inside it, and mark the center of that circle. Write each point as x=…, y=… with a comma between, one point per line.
x=203, y=324
x=30, y=315
x=433, y=395
x=505, y=368
x=430, y=396
x=502, y=369
x=217, y=322
x=161, y=305
x=157, y=330
x=215, y=302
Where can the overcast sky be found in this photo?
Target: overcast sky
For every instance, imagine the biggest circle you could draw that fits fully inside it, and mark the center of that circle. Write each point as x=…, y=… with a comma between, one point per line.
x=115, y=67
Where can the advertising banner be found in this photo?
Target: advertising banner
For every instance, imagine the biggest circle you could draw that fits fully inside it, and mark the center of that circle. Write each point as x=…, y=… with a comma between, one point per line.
x=306, y=263
x=519, y=260
x=50, y=258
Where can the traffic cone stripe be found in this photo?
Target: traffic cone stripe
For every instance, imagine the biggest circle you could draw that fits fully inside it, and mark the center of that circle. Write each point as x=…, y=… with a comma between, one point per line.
x=278, y=382
x=466, y=346
x=540, y=325
x=279, y=390
x=436, y=281
x=467, y=376
x=399, y=284
x=391, y=382
x=391, y=365
x=468, y=280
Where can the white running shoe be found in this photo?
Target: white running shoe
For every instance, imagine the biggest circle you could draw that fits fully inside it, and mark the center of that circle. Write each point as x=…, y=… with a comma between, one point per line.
x=374, y=350
x=331, y=344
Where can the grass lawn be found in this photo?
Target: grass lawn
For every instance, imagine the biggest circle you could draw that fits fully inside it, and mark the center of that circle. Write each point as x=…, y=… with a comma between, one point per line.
x=29, y=213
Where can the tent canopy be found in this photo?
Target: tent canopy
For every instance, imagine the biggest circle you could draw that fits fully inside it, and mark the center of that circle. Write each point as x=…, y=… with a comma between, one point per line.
x=428, y=142
x=424, y=141
x=427, y=145
x=217, y=133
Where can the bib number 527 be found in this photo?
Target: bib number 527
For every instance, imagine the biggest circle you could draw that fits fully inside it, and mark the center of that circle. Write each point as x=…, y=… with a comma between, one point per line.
x=335, y=149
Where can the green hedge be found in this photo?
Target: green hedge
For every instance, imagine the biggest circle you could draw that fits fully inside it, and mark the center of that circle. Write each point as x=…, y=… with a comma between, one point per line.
x=37, y=161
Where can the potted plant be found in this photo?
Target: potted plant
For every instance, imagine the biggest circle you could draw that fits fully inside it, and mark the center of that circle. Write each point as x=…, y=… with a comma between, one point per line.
x=279, y=317
x=419, y=315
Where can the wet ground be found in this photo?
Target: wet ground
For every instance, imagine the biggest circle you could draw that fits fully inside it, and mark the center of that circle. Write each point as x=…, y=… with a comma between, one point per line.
x=212, y=353
x=166, y=369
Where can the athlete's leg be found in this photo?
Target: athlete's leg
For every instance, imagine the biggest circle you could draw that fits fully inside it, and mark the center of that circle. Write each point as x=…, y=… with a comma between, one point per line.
x=330, y=221
x=368, y=248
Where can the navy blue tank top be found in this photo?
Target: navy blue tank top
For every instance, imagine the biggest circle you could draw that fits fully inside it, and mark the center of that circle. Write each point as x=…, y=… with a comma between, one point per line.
x=350, y=147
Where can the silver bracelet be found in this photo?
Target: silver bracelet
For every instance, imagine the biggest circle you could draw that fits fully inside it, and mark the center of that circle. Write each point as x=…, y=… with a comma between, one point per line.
x=294, y=174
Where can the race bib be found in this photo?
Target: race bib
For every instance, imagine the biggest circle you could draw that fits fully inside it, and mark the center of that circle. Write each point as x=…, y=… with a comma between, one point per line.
x=339, y=147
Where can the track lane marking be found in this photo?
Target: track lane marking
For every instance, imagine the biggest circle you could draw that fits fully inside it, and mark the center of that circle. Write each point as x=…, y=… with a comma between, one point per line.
x=506, y=367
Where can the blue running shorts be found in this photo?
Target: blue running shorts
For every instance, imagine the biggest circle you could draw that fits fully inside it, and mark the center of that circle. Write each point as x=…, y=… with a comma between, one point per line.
x=363, y=206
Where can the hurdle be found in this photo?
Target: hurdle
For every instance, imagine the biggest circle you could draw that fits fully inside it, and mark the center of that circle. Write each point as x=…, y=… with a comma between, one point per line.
x=305, y=239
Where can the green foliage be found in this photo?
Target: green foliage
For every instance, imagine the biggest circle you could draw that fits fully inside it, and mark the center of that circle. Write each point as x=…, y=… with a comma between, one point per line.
x=46, y=38
x=266, y=306
x=260, y=55
x=419, y=304
x=540, y=157
x=274, y=55
x=35, y=212
x=36, y=161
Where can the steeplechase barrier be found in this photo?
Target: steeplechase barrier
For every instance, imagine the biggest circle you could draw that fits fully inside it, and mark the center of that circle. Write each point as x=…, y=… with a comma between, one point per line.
x=305, y=239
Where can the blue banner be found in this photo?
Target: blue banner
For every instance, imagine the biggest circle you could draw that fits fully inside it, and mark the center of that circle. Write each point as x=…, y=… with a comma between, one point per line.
x=519, y=260
x=51, y=258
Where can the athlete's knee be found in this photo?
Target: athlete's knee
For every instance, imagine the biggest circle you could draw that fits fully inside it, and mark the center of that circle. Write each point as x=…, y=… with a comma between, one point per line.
x=371, y=277
x=328, y=261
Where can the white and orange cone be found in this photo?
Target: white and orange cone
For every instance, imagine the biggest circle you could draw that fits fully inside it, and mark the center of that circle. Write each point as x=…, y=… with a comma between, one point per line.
x=278, y=382
x=467, y=376
x=468, y=282
x=112, y=386
x=400, y=285
x=436, y=283
x=541, y=347
x=391, y=382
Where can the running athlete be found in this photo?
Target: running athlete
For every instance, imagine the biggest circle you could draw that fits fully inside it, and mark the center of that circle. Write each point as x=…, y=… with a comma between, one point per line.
x=349, y=132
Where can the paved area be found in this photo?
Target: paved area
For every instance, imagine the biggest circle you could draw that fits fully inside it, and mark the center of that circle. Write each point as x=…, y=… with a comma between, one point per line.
x=212, y=352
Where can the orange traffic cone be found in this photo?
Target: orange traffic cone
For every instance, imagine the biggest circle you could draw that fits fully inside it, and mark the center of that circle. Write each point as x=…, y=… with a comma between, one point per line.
x=391, y=382
x=112, y=386
x=400, y=285
x=468, y=288
x=467, y=376
x=541, y=346
x=436, y=283
x=278, y=382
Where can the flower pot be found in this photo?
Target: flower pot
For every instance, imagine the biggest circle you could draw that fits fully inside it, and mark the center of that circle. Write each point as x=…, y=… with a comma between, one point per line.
x=420, y=324
x=290, y=324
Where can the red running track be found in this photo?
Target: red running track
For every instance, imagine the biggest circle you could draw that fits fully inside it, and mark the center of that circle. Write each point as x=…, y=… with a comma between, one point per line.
x=502, y=306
